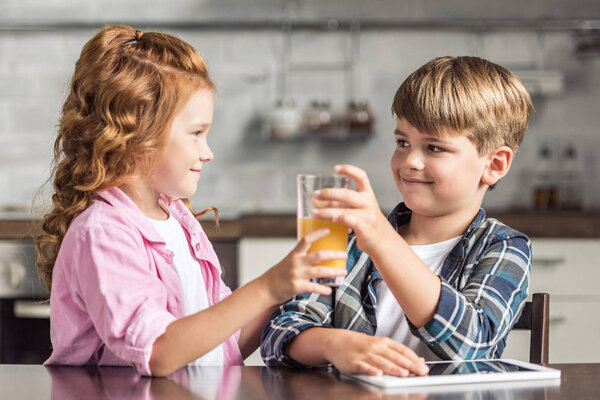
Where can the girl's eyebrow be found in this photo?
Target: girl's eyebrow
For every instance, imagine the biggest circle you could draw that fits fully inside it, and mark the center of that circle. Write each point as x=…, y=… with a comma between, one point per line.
x=200, y=125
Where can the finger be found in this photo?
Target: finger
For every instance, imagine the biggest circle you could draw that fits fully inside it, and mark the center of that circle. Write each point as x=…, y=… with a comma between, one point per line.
x=307, y=240
x=314, y=287
x=321, y=256
x=416, y=366
x=345, y=216
x=359, y=176
x=387, y=366
x=337, y=196
x=325, y=272
x=366, y=369
x=405, y=351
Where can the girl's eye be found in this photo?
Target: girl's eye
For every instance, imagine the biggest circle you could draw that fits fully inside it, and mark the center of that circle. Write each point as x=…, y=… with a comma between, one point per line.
x=436, y=149
x=197, y=133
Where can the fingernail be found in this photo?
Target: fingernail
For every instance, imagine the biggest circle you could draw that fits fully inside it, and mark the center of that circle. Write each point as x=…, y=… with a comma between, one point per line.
x=317, y=192
x=423, y=369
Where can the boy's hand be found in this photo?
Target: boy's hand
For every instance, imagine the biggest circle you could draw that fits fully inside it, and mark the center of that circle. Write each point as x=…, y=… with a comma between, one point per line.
x=356, y=353
x=293, y=274
x=358, y=209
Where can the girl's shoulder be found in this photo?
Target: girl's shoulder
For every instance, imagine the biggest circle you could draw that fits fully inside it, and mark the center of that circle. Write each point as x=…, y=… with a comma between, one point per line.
x=115, y=219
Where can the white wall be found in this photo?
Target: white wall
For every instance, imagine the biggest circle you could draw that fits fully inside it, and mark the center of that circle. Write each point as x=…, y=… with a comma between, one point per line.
x=35, y=67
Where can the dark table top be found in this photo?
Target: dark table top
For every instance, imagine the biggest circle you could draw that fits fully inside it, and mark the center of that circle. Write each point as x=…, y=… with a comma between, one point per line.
x=578, y=381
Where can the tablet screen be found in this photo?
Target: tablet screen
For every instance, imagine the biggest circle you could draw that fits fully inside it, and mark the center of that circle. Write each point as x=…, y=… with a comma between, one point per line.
x=474, y=367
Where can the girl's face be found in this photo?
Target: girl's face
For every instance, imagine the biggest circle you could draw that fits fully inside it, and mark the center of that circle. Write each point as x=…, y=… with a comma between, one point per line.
x=186, y=149
x=437, y=175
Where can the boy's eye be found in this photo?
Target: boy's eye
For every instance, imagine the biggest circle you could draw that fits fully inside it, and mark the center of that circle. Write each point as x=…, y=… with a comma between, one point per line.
x=436, y=149
x=197, y=133
x=402, y=143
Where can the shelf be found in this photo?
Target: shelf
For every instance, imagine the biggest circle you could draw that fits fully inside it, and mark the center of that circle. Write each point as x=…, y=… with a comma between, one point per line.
x=327, y=24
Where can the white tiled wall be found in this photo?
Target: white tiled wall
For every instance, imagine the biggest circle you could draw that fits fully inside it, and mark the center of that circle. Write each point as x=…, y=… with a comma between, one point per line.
x=249, y=175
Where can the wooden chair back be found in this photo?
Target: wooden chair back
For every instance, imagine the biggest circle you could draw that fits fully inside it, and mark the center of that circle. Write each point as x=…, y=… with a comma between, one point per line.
x=536, y=318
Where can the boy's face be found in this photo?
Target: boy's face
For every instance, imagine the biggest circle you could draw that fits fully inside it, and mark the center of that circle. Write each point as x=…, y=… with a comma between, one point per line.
x=437, y=176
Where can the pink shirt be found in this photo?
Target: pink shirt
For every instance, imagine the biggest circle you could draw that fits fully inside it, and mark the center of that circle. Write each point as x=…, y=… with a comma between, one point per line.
x=114, y=289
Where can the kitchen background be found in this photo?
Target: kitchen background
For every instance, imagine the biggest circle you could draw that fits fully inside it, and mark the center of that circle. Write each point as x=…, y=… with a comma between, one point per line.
x=303, y=85
x=330, y=52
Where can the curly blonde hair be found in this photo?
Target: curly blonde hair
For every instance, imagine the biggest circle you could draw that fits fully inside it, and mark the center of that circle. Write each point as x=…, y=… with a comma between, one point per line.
x=126, y=89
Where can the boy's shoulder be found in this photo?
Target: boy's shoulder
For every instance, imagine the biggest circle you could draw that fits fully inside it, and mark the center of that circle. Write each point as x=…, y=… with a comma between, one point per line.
x=495, y=229
x=490, y=232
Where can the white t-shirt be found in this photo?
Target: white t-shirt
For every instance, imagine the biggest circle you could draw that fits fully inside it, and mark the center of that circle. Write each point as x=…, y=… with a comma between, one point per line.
x=391, y=321
x=191, y=280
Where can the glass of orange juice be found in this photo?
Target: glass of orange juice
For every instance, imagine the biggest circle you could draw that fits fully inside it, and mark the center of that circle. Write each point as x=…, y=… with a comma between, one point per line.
x=338, y=234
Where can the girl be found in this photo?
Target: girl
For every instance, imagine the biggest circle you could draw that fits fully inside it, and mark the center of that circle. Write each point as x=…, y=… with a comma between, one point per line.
x=133, y=277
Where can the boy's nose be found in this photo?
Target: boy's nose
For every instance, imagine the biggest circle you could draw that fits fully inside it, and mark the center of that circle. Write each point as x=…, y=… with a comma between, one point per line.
x=414, y=160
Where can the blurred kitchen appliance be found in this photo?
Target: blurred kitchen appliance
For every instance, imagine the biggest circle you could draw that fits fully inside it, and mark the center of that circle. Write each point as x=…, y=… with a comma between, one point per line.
x=24, y=313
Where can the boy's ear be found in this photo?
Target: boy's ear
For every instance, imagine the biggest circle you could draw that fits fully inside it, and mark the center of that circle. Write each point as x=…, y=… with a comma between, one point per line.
x=498, y=165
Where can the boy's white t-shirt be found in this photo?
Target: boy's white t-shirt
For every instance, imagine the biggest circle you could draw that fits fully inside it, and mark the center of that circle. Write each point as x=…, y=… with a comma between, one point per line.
x=391, y=321
x=191, y=280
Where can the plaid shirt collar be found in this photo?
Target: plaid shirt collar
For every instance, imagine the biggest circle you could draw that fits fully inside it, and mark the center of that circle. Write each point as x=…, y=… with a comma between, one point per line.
x=401, y=215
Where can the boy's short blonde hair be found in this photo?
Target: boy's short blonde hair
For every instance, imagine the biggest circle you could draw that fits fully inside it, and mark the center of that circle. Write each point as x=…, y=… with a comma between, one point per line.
x=466, y=96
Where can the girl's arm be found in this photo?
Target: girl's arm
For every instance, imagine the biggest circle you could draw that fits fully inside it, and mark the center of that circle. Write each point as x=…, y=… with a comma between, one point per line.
x=190, y=337
x=250, y=335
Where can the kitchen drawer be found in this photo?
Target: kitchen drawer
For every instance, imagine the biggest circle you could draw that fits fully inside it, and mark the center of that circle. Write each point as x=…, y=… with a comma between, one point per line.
x=565, y=266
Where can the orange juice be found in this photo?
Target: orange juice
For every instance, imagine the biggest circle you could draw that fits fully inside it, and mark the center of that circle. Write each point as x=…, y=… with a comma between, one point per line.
x=336, y=240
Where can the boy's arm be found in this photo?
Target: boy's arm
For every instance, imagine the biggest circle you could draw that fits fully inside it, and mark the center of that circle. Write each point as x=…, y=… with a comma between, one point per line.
x=288, y=321
x=414, y=285
x=468, y=323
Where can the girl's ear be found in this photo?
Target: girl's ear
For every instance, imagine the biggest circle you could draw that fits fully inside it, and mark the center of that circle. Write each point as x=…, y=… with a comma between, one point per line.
x=498, y=165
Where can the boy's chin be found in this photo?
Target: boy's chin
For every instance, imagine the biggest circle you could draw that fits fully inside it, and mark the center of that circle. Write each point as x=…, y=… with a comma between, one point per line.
x=426, y=210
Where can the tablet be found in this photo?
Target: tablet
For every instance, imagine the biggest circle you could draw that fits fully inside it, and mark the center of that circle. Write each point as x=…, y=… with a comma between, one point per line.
x=461, y=372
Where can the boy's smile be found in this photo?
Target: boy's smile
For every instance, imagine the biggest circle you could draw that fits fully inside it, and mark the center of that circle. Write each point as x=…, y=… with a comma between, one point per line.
x=437, y=175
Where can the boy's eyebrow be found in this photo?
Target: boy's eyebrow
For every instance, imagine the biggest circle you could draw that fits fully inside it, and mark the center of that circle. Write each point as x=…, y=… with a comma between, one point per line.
x=431, y=138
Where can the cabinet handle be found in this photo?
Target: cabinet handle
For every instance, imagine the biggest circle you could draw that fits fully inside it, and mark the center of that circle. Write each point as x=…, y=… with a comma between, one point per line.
x=29, y=309
x=557, y=319
x=548, y=262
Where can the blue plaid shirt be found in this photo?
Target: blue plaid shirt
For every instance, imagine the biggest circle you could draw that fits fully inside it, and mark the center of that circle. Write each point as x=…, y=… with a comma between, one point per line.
x=485, y=279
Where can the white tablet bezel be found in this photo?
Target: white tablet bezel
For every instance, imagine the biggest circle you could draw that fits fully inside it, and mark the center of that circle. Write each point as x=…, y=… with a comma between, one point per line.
x=539, y=373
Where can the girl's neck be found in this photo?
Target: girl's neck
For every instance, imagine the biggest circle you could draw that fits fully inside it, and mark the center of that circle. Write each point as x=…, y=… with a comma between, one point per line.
x=146, y=199
x=423, y=230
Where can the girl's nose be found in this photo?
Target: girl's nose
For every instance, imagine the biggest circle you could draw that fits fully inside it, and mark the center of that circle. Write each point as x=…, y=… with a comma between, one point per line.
x=206, y=154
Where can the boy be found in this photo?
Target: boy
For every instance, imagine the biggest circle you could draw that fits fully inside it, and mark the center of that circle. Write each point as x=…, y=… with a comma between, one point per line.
x=436, y=277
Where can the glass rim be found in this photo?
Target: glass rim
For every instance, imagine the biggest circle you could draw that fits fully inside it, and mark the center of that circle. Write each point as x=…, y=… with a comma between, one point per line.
x=322, y=176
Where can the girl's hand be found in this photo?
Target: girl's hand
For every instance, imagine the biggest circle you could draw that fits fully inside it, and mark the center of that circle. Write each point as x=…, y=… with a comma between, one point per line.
x=357, y=209
x=293, y=274
x=357, y=353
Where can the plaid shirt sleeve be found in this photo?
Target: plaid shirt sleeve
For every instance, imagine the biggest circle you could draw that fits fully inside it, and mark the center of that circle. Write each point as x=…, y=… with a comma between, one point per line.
x=474, y=321
x=288, y=321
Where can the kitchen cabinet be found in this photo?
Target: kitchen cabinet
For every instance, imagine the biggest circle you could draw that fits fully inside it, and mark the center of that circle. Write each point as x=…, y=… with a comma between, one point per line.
x=255, y=256
x=568, y=270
